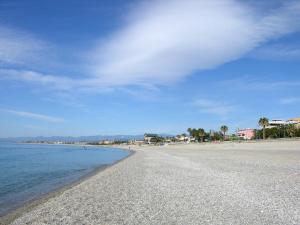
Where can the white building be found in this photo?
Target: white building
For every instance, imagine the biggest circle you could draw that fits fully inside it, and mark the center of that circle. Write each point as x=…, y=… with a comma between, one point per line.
x=278, y=123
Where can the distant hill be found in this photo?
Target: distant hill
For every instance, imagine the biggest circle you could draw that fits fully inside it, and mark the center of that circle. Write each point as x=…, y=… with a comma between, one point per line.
x=81, y=138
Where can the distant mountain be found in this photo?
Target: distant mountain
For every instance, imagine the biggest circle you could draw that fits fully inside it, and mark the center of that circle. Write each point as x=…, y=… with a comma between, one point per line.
x=72, y=139
x=81, y=138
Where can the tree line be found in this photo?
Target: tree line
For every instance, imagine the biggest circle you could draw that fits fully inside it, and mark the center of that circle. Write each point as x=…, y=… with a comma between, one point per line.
x=282, y=131
x=200, y=135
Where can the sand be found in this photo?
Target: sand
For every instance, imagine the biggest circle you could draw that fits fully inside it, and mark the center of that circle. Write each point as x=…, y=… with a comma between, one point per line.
x=247, y=183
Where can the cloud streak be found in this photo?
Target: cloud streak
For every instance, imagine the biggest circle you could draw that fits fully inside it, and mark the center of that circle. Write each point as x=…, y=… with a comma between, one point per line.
x=213, y=107
x=278, y=52
x=54, y=82
x=34, y=116
x=165, y=41
x=248, y=83
x=19, y=47
x=162, y=42
x=290, y=100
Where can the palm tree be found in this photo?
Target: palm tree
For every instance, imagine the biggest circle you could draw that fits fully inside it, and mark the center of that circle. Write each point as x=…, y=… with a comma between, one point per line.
x=194, y=133
x=263, y=122
x=291, y=130
x=189, y=130
x=201, y=133
x=224, y=129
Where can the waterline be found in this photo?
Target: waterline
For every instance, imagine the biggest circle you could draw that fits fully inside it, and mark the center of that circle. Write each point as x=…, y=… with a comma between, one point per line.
x=30, y=171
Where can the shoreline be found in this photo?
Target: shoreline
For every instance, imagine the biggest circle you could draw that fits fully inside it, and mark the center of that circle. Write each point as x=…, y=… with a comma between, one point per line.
x=27, y=206
x=232, y=183
x=129, y=147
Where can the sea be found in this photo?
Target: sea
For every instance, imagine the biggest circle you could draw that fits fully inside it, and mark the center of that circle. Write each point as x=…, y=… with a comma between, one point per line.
x=29, y=171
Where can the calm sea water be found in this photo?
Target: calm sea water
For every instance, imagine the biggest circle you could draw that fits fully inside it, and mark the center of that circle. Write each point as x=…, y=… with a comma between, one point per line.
x=28, y=171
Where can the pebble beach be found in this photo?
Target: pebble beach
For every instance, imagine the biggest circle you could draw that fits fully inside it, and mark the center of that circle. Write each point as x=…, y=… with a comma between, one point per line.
x=228, y=183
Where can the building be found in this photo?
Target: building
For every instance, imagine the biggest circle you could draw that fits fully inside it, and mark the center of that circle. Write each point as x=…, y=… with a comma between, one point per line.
x=295, y=121
x=148, y=137
x=278, y=123
x=137, y=142
x=246, y=134
x=105, y=142
x=181, y=138
x=191, y=139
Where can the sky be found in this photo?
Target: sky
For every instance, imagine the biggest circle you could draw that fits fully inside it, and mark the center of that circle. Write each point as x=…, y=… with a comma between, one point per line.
x=110, y=67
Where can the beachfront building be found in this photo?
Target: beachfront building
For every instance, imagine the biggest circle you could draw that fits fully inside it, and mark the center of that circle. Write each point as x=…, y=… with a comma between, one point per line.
x=276, y=123
x=137, y=142
x=181, y=138
x=279, y=123
x=148, y=137
x=246, y=134
x=184, y=138
x=295, y=121
x=105, y=142
x=168, y=140
x=191, y=139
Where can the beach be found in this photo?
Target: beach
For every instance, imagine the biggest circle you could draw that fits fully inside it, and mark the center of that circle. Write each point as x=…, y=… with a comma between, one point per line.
x=220, y=183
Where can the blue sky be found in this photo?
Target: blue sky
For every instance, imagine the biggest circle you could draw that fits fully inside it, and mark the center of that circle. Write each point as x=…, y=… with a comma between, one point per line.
x=129, y=67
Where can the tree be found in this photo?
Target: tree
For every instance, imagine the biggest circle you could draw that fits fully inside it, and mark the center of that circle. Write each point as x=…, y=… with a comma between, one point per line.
x=189, y=130
x=291, y=130
x=194, y=133
x=201, y=134
x=263, y=122
x=224, y=129
x=157, y=139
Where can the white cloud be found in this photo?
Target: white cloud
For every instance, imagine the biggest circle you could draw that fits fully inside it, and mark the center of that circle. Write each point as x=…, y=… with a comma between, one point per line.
x=19, y=47
x=34, y=116
x=54, y=82
x=165, y=41
x=213, y=107
x=50, y=81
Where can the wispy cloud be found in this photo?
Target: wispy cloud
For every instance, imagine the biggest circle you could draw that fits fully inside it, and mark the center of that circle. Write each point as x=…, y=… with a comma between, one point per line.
x=263, y=84
x=165, y=41
x=290, y=100
x=32, y=77
x=65, y=100
x=162, y=41
x=54, y=82
x=19, y=47
x=278, y=52
x=213, y=107
x=33, y=115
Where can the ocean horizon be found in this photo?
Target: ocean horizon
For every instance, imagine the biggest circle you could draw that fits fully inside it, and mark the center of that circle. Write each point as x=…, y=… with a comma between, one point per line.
x=29, y=171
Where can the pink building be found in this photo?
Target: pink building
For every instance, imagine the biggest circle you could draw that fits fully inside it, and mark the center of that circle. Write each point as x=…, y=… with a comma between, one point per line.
x=246, y=134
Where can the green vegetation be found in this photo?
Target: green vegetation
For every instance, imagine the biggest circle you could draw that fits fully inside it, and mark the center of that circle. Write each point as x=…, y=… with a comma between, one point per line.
x=263, y=122
x=224, y=129
x=288, y=131
x=157, y=139
x=198, y=134
x=201, y=135
x=215, y=136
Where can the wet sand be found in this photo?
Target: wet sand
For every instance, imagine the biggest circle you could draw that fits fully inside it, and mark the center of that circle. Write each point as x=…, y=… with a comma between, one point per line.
x=246, y=183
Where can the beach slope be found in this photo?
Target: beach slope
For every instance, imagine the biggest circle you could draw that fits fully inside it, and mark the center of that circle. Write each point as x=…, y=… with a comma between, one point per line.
x=249, y=183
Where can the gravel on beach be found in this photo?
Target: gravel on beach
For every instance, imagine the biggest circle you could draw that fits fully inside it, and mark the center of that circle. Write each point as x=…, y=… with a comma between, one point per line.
x=213, y=184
